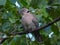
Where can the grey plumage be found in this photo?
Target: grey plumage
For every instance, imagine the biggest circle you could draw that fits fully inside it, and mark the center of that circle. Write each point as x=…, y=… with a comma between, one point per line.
x=30, y=22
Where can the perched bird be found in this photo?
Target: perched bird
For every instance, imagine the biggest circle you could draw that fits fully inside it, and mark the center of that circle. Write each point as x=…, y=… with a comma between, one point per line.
x=30, y=22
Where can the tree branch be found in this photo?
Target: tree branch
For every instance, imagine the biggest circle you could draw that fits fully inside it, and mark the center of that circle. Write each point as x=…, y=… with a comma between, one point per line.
x=40, y=28
x=2, y=40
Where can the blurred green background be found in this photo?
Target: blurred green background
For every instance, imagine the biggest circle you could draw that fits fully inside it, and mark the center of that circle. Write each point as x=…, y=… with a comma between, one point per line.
x=45, y=11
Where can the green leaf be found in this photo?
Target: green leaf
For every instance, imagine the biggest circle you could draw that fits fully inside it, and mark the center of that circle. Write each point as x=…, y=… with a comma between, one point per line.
x=55, y=29
x=2, y=2
x=43, y=11
x=6, y=26
x=47, y=41
x=35, y=3
x=13, y=1
x=5, y=42
x=16, y=40
x=24, y=3
x=5, y=16
x=12, y=20
x=54, y=12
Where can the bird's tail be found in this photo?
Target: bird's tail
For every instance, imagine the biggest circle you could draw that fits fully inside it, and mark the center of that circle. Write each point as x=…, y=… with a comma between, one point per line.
x=37, y=35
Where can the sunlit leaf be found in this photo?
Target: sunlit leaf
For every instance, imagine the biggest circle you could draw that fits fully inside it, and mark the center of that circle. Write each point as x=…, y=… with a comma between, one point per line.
x=24, y=3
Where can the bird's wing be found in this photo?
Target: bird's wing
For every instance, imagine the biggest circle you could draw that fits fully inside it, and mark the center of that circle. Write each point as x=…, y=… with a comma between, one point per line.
x=35, y=21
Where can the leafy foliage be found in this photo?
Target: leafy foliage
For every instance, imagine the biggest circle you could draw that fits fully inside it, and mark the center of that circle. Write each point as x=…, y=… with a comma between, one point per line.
x=45, y=11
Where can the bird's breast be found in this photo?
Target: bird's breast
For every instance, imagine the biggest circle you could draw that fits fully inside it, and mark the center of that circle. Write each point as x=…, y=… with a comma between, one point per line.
x=28, y=19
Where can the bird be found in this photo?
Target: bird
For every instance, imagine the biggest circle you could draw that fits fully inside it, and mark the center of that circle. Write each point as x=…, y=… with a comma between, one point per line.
x=30, y=22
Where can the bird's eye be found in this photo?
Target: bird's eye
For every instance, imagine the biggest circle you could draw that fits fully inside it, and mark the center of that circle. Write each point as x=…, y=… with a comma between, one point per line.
x=28, y=11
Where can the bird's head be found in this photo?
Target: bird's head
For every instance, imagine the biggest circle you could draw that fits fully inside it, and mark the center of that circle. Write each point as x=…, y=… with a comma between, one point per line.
x=23, y=11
